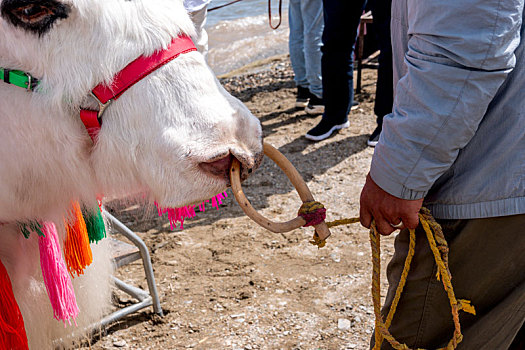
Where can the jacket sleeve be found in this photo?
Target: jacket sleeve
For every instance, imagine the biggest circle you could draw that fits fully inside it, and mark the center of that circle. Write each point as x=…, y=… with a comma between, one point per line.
x=458, y=55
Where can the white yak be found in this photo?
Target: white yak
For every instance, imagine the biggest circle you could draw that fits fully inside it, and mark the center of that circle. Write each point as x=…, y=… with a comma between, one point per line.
x=170, y=136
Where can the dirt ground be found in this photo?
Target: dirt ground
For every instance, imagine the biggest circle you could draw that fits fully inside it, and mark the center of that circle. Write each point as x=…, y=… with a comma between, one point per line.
x=226, y=283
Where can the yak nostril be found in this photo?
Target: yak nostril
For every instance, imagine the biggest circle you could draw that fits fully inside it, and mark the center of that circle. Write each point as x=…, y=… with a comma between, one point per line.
x=219, y=167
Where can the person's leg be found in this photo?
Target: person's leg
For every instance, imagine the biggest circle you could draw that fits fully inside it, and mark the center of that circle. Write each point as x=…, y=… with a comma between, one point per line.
x=199, y=20
x=385, y=87
x=312, y=11
x=487, y=266
x=296, y=43
x=341, y=21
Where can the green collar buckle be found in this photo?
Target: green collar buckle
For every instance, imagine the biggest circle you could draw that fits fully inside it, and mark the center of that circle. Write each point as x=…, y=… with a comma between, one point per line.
x=18, y=78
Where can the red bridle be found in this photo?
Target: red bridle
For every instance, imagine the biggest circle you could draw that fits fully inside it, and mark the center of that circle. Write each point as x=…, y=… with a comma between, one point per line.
x=127, y=77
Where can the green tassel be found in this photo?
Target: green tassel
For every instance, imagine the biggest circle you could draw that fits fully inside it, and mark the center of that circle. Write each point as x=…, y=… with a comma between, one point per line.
x=95, y=225
x=32, y=226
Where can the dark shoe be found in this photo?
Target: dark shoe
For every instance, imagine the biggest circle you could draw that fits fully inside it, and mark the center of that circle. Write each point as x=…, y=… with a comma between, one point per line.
x=324, y=129
x=374, y=138
x=355, y=105
x=303, y=96
x=315, y=106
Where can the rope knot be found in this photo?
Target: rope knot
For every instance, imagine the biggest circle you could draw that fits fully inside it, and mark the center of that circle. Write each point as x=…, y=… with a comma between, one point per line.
x=312, y=212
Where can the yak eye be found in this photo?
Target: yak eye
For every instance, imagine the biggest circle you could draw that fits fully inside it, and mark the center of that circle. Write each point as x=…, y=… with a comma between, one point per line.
x=32, y=13
x=37, y=16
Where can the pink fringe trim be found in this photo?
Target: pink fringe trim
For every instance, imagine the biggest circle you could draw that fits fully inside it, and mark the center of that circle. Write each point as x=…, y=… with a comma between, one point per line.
x=56, y=278
x=179, y=214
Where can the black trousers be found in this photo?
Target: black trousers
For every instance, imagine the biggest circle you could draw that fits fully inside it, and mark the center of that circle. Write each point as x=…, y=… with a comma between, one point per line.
x=341, y=23
x=385, y=86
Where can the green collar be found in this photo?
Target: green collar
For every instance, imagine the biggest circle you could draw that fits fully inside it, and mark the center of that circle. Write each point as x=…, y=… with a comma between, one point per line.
x=18, y=78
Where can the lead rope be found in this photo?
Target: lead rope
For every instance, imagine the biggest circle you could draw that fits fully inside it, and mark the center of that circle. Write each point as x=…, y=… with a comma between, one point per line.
x=270, y=14
x=314, y=211
x=224, y=5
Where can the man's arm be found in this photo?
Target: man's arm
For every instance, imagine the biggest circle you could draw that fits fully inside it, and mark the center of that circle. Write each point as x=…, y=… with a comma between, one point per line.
x=458, y=55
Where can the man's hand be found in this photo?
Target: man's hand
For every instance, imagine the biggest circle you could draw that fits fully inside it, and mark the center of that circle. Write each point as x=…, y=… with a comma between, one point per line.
x=386, y=209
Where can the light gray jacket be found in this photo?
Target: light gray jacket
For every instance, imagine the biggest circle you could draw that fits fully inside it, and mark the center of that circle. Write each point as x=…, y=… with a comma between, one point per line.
x=457, y=132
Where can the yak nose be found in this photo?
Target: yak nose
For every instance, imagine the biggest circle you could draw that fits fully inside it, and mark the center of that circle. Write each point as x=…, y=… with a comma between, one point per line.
x=219, y=167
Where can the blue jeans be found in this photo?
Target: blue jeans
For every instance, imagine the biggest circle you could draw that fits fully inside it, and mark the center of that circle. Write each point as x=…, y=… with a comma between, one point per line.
x=306, y=28
x=341, y=19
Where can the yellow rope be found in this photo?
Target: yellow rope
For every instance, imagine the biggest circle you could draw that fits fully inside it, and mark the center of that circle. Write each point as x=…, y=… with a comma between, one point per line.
x=439, y=248
x=342, y=222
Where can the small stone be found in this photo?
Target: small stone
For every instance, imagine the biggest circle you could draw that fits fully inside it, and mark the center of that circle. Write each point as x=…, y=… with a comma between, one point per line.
x=344, y=324
x=120, y=343
x=335, y=257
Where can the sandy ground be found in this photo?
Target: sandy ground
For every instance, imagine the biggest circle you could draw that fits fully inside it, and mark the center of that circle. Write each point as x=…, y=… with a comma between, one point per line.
x=226, y=283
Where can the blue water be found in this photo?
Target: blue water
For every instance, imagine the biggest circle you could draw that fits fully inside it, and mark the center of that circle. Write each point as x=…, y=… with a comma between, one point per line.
x=240, y=33
x=241, y=9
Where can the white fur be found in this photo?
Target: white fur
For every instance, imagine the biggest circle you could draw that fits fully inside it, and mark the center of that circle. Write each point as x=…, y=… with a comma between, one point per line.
x=151, y=141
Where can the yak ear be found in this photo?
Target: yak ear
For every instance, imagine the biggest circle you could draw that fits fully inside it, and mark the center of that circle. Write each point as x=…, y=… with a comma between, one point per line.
x=37, y=16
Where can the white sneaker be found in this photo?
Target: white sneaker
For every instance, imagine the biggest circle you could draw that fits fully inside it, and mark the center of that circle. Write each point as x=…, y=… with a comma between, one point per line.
x=315, y=106
x=302, y=97
x=324, y=130
x=314, y=109
x=374, y=138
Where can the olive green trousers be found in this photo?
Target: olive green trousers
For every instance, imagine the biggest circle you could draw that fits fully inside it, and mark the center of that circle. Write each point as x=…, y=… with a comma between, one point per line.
x=487, y=263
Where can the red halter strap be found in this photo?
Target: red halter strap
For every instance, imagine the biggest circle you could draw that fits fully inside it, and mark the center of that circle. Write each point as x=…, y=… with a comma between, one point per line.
x=127, y=77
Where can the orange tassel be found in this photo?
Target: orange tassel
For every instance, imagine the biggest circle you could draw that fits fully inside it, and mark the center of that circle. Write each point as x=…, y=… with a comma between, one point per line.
x=77, y=251
x=12, y=329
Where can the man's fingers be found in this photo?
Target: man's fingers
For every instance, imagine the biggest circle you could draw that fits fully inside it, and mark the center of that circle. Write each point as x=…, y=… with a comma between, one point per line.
x=410, y=220
x=365, y=217
x=386, y=209
x=399, y=225
x=383, y=226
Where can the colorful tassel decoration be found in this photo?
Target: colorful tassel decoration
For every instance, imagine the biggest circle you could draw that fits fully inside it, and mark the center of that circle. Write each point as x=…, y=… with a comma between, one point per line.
x=56, y=278
x=32, y=226
x=95, y=225
x=179, y=214
x=12, y=331
x=77, y=252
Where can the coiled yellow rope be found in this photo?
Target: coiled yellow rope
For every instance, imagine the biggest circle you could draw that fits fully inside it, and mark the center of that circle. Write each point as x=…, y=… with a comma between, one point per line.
x=439, y=248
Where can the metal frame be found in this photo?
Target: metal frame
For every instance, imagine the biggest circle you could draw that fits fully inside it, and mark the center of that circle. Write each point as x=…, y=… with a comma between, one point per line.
x=144, y=298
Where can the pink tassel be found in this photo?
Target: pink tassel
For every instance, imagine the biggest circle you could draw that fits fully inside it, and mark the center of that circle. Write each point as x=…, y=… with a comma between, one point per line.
x=217, y=200
x=179, y=214
x=56, y=278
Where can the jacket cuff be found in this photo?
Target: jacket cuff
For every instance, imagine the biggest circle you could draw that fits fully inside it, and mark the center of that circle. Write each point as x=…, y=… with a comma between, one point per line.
x=384, y=179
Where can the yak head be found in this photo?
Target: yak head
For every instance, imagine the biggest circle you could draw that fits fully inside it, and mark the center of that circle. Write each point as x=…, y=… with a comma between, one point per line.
x=172, y=135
